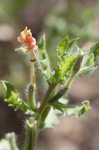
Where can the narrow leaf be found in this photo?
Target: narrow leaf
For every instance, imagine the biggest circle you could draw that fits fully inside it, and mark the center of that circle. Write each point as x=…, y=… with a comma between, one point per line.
x=44, y=62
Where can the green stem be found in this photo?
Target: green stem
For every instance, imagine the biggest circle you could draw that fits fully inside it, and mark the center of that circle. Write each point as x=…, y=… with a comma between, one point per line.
x=31, y=96
x=31, y=137
x=63, y=90
x=45, y=100
x=32, y=88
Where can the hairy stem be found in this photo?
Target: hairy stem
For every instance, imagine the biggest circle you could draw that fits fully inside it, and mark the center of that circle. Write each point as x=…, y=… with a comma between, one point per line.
x=31, y=137
x=32, y=88
x=44, y=101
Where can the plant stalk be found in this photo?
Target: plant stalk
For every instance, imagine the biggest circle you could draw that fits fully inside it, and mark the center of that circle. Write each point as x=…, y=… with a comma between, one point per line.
x=32, y=88
x=31, y=137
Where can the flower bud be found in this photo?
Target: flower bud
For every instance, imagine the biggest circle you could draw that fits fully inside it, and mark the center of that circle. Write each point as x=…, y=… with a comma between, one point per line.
x=27, y=40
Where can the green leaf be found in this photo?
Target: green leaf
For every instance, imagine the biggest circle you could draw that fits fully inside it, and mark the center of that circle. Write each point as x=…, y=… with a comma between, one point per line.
x=48, y=118
x=88, y=60
x=78, y=110
x=42, y=44
x=60, y=104
x=86, y=71
x=43, y=58
x=13, y=98
x=8, y=88
x=77, y=64
x=87, y=65
x=67, y=55
x=65, y=47
x=85, y=106
x=95, y=48
x=51, y=119
x=68, y=64
x=62, y=47
x=63, y=100
x=65, y=68
x=72, y=42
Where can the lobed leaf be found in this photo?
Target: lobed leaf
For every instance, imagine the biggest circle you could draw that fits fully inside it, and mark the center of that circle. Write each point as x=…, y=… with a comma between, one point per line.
x=78, y=110
x=67, y=55
x=62, y=47
x=13, y=98
x=66, y=109
x=88, y=64
x=65, y=68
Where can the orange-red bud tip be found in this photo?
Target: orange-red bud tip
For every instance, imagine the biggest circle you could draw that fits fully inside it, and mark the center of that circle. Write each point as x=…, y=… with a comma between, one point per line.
x=26, y=38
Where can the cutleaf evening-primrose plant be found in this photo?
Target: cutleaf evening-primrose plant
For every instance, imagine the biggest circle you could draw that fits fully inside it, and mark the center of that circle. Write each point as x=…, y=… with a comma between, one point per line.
x=72, y=62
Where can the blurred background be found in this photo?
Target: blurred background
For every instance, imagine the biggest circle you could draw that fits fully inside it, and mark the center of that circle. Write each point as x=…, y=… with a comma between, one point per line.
x=57, y=18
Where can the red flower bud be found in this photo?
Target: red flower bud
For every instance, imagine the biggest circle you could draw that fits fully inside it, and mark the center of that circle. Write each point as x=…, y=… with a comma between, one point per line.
x=27, y=40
